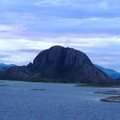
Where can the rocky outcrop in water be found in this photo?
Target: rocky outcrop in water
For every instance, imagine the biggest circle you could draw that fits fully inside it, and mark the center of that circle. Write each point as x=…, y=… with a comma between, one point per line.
x=113, y=92
x=111, y=99
x=57, y=64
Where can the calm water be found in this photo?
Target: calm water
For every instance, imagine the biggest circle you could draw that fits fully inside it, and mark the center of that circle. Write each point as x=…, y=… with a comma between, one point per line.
x=19, y=101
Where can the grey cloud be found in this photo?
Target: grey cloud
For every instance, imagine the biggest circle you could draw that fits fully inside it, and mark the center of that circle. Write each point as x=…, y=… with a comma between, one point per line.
x=4, y=56
x=100, y=17
x=76, y=26
x=30, y=50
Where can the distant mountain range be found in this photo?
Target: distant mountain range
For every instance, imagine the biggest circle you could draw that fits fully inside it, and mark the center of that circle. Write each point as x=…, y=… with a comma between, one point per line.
x=57, y=64
x=5, y=66
x=111, y=73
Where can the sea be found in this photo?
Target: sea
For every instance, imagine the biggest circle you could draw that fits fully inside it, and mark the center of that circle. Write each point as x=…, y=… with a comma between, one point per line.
x=54, y=101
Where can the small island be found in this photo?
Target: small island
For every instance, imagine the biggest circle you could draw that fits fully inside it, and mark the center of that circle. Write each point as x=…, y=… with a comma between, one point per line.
x=111, y=99
x=113, y=92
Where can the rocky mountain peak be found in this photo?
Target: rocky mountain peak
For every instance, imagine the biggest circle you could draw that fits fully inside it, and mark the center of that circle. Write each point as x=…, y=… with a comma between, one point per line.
x=58, y=64
x=61, y=56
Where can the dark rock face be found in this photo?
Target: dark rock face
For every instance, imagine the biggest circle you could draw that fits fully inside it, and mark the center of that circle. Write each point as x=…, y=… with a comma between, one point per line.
x=57, y=64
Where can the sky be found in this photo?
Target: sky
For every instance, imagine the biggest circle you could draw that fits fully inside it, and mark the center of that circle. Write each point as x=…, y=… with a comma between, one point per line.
x=30, y=26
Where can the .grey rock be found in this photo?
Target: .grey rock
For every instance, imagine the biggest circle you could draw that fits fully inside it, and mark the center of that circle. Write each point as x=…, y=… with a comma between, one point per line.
x=57, y=64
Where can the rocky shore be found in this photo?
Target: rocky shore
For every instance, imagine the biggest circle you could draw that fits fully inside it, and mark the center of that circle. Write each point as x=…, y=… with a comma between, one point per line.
x=111, y=98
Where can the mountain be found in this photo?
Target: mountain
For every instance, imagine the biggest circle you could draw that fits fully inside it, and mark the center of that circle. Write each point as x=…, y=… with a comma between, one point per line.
x=5, y=66
x=57, y=64
x=111, y=73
